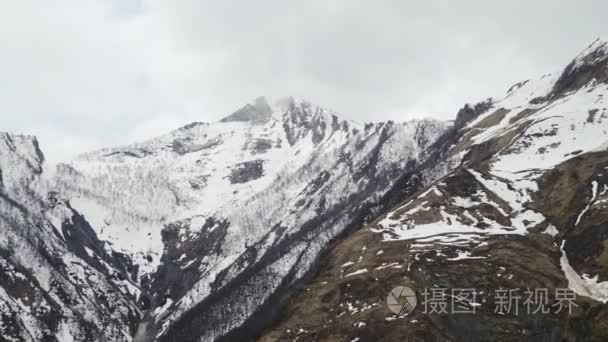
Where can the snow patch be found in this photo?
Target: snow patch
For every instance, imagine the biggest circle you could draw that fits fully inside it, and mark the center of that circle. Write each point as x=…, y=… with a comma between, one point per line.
x=583, y=285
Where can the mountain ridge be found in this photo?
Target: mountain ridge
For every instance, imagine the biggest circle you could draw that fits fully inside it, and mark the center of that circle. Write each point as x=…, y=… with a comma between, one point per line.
x=521, y=206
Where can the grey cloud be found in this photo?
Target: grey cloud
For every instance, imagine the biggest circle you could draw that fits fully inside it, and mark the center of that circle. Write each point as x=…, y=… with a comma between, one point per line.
x=85, y=74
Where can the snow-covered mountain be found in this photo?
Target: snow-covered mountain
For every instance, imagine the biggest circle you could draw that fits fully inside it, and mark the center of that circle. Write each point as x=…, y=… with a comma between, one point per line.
x=287, y=211
x=522, y=206
x=218, y=221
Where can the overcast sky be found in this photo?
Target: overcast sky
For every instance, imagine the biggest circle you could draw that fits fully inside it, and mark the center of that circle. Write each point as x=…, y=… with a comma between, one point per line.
x=83, y=74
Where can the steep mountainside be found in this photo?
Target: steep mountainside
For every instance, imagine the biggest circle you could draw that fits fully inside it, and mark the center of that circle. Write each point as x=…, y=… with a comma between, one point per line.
x=58, y=282
x=523, y=206
x=222, y=219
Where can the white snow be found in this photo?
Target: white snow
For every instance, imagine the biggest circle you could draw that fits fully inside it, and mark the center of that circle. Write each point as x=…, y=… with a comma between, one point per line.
x=63, y=333
x=188, y=264
x=462, y=255
x=161, y=309
x=391, y=265
x=89, y=251
x=551, y=230
x=361, y=271
x=593, y=195
x=583, y=285
x=359, y=324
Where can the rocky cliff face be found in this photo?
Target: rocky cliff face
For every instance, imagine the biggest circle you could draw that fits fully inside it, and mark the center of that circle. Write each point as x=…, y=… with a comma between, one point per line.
x=521, y=207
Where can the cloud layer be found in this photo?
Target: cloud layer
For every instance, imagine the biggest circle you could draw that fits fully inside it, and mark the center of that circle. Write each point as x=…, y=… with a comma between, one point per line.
x=82, y=74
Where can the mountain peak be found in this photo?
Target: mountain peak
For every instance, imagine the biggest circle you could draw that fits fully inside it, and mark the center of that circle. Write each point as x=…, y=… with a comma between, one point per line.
x=596, y=53
x=590, y=65
x=257, y=112
x=596, y=50
x=284, y=103
x=262, y=110
x=20, y=160
x=25, y=147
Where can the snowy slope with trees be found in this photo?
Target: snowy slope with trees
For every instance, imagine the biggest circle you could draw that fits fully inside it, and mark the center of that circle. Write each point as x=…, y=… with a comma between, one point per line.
x=58, y=282
x=213, y=211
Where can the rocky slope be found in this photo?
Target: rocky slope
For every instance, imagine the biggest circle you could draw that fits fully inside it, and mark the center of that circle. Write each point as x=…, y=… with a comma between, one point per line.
x=523, y=206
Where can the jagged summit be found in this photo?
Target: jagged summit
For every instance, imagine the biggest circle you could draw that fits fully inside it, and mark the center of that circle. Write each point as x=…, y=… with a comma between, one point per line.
x=590, y=65
x=587, y=70
x=596, y=51
x=258, y=112
x=286, y=119
x=263, y=110
x=20, y=160
x=25, y=145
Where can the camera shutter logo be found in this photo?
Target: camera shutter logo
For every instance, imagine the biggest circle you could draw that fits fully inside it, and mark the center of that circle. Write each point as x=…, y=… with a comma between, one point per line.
x=401, y=300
